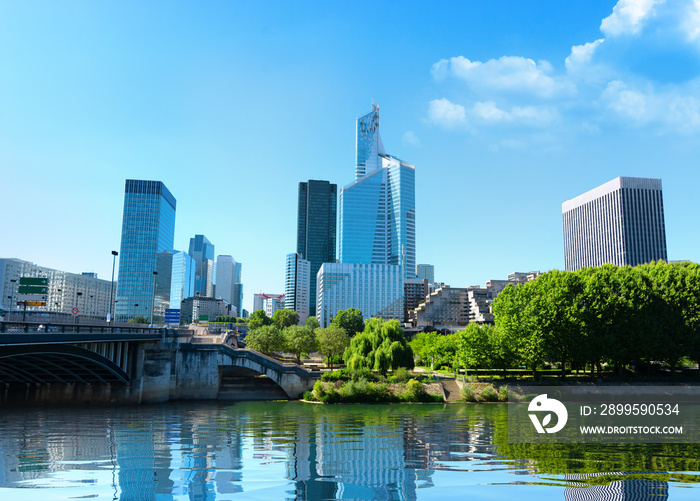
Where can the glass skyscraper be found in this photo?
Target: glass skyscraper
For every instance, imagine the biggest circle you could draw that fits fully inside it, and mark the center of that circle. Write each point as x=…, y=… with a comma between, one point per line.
x=202, y=251
x=316, y=228
x=378, y=210
x=297, y=284
x=182, y=278
x=148, y=229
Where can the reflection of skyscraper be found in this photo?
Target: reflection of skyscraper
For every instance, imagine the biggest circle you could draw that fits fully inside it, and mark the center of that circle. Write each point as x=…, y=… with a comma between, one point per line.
x=148, y=228
x=202, y=251
x=182, y=278
x=618, y=490
x=316, y=228
x=378, y=210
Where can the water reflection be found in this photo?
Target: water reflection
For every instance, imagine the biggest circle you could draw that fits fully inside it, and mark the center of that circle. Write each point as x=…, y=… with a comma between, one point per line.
x=264, y=450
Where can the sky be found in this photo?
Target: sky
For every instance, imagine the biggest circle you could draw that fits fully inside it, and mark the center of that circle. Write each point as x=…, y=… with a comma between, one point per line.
x=506, y=109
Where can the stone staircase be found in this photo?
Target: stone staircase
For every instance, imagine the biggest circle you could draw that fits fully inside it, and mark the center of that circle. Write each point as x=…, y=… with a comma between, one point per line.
x=451, y=389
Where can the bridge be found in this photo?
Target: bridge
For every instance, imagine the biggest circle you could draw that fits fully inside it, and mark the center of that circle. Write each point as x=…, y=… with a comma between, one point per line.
x=125, y=364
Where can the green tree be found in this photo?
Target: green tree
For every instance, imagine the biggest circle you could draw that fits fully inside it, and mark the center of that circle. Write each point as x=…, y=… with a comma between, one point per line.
x=284, y=318
x=299, y=339
x=380, y=347
x=267, y=339
x=138, y=320
x=258, y=319
x=331, y=341
x=312, y=323
x=351, y=320
x=473, y=348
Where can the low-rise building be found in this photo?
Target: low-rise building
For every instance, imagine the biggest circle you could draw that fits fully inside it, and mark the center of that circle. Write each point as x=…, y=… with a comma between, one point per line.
x=202, y=309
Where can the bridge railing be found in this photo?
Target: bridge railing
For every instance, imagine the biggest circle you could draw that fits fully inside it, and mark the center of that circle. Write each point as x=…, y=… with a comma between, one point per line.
x=49, y=328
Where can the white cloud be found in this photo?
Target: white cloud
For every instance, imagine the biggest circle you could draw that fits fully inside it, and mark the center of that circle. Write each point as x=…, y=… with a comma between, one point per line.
x=488, y=112
x=673, y=109
x=581, y=56
x=691, y=21
x=445, y=113
x=628, y=17
x=410, y=138
x=508, y=73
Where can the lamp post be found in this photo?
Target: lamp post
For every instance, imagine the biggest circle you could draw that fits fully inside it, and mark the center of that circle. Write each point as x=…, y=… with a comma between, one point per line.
x=111, y=291
x=77, y=296
x=153, y=299
x=12, y=297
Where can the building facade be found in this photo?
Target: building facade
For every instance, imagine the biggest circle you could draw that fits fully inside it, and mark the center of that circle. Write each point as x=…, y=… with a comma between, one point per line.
x=316, y=227
x=202, y=251
x=620, y=222
x=65, y=291
x=426, y=272
x=377, y=211
x=182, y=278
x=297, y=286
x=375, y=289
x=202, y=309
x=269, y=303
x=148, y=229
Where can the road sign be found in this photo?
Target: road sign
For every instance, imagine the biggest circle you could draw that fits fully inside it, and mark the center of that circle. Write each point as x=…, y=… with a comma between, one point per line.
x=35, y=303
x=172, y=316
x=33, y=281
x=75, y=310
x=32, y=289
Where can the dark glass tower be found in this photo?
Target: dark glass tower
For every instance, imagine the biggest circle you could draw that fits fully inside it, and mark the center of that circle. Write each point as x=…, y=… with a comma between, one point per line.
x=148, y=230
x=316, y=225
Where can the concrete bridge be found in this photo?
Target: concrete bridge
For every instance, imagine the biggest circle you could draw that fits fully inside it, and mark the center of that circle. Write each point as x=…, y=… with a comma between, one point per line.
x=101, y=364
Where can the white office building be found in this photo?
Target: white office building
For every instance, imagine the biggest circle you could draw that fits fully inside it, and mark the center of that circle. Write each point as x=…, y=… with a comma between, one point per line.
x=377, y=290
x=297, y=285
x=620, y=222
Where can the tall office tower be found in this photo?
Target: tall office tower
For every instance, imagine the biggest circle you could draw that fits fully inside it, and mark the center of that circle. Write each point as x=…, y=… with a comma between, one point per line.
x=619, y=222
x=148, y=228
x=182, y=278
x=426, y=272
x=225, y=277
x=378, y=210
x=297, y=286
x=202, y=251
x=316, y=225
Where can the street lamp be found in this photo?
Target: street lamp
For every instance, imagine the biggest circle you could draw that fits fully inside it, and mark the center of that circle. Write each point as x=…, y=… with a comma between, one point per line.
x=12, y=297
x=77, y=296
x=153, y=299
x=111, y=291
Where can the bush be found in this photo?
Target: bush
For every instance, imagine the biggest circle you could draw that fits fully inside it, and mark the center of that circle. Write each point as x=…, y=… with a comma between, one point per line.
x=362, y=390
x=401, y=375
x=468, y=393
x=361, y=373
x=309, y=396
x=488, y=394
x=503, y=393
x=414, y=388
x=332, y=376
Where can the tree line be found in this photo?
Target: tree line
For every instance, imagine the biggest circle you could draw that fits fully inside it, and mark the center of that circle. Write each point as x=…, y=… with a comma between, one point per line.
x=621, y=316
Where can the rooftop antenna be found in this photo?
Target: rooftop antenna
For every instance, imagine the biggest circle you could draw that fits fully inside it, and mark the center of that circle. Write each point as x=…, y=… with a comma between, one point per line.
x=375, y=105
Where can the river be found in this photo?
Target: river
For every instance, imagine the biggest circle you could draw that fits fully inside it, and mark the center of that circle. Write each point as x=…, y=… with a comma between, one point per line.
x=292, y=450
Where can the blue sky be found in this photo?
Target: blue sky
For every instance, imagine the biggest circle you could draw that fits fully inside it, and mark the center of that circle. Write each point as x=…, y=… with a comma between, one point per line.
x=507, y=109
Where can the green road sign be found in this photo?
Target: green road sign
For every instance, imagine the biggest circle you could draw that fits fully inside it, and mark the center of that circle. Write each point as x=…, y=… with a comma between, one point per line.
x=32, y=289
x=33, y=281
x=203, y=318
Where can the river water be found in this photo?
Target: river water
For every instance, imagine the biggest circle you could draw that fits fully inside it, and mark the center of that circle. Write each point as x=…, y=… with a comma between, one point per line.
x=292, y=450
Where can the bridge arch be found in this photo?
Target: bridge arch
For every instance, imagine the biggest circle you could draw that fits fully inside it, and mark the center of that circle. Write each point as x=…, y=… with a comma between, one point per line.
x=57, y=363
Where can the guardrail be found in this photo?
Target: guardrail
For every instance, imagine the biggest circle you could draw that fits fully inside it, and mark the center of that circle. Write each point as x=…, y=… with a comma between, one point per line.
x=49, y=328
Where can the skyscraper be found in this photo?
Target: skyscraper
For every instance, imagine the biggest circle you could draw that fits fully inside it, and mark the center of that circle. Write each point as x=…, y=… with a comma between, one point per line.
x=228, y=275
x=202, y=251
x=297, y=284
x=619, y=222
x=148, y=228
x=378, y=210
x=182, y=278
x=316, y=223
